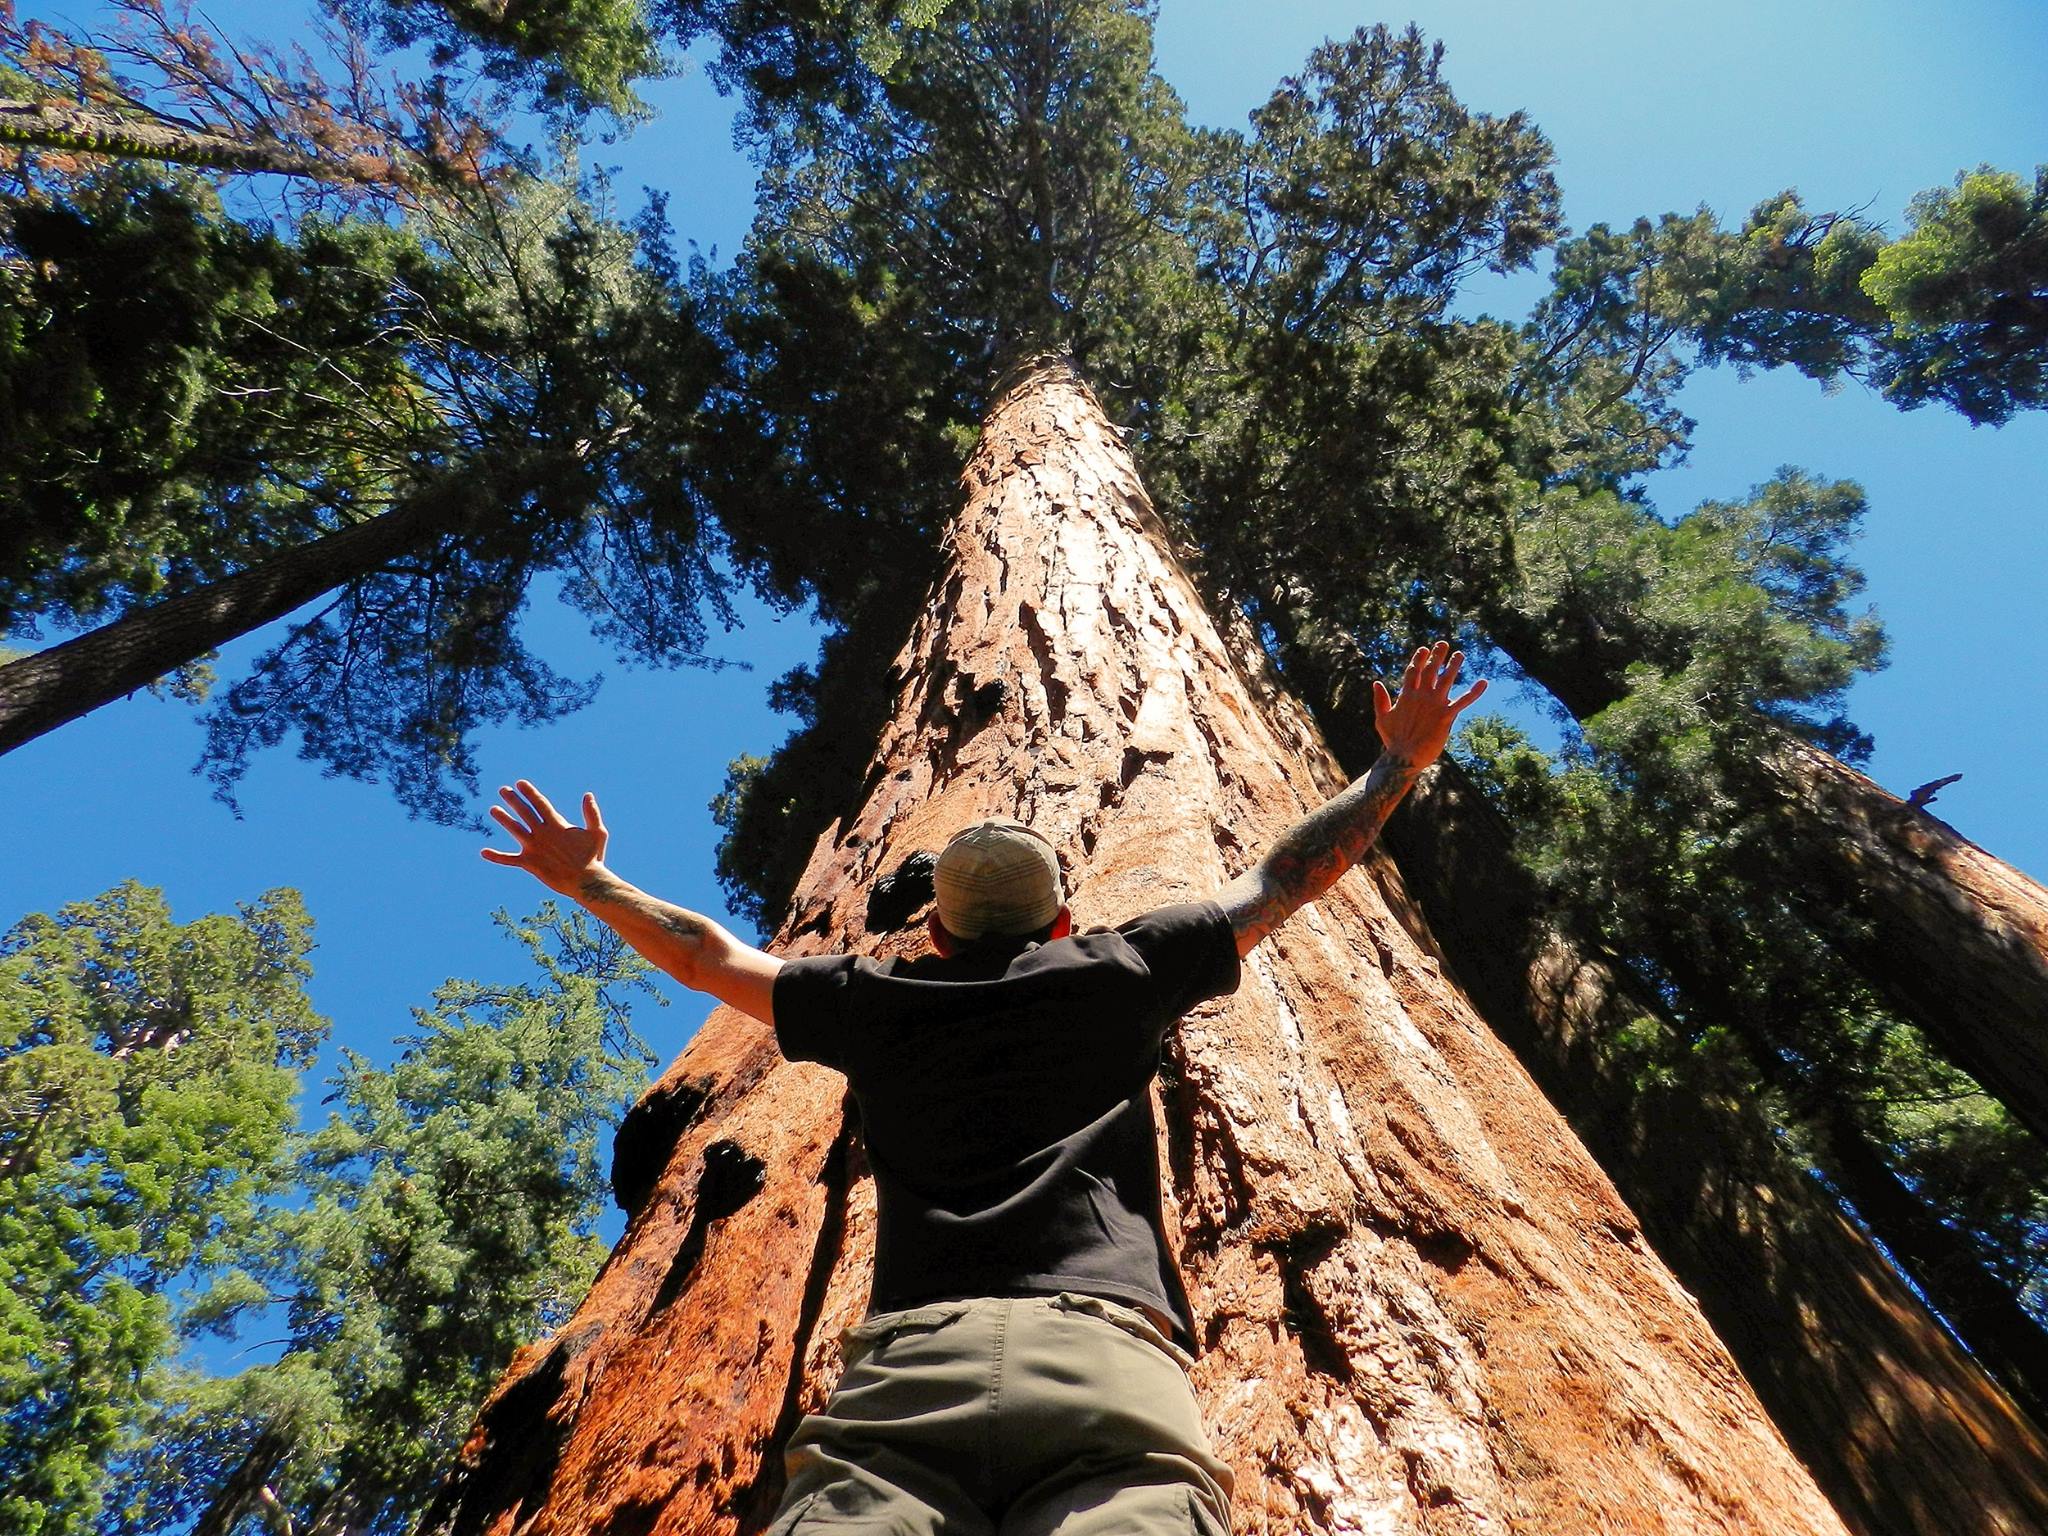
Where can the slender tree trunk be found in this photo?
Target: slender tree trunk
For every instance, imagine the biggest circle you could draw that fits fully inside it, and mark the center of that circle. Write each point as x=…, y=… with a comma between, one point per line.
x=52, y=687
x=1898, y=1424
x=243, y=1490
x=76, y=129
x=1422, y=1307
x=1957, y=941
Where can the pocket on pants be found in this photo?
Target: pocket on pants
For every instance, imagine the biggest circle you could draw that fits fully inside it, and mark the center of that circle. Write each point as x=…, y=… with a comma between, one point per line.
x=1129, y=1319
x=791, y=1520
x=871, y=1333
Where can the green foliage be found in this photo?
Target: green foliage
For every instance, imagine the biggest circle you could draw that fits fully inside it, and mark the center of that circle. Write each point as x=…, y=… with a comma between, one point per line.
x=146, y=1075
x=583, y=55
x=1643, y=832
x=1954, y=311
x=155, y=1189
x=576, y=55
x=446, y=1214
x=189, y=394
x=1009, y=173
x=567, y=373
x=1736, y=612
x=186, y=394
x=1966, y=292
x=740, y=800
x=1016, y=177
x=181, y=393
x=1272, y=316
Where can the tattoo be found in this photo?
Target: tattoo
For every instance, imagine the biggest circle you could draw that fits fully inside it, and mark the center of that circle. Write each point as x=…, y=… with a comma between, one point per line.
x=601, y=885
x=1315, y=851
x=633, y=909
x=687, y=926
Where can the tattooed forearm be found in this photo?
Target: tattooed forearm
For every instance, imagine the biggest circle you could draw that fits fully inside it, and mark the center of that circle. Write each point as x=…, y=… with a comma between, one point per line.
x=672, y=937
x=1315, y=851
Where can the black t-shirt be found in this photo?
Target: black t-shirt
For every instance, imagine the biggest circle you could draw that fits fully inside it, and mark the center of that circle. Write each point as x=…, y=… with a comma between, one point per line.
x=1006, y=1106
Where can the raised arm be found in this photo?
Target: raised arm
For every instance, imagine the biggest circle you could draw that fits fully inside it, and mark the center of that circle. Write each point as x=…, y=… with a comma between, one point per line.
x=1313, y=852
x=569, y=860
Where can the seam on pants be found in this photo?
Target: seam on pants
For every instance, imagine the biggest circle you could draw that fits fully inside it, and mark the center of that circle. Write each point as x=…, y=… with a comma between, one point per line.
x=1201, y=1519
x=995, y=1399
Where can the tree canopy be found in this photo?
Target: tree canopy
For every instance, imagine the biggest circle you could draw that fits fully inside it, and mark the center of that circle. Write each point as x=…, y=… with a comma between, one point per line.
x=159, y=1192
x=146, y=1077
x=1355, y=461
x=475, y=348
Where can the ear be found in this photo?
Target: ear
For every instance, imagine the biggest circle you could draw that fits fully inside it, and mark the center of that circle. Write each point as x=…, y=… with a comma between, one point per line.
x=1062, y=924
x=942, y=941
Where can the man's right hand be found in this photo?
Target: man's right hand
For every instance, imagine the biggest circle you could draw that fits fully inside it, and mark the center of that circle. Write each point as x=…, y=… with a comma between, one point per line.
x=558, y=854
x=692, y=948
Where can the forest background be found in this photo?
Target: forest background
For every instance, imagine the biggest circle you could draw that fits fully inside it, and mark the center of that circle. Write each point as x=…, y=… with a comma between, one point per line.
x=1649, y=109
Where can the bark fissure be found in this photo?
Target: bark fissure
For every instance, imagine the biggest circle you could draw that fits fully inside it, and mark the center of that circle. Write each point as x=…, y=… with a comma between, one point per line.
x=759, y=1502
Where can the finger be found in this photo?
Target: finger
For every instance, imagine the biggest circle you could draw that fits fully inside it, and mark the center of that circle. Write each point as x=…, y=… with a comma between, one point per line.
x=513, y=825
x=593, y=820
x=1449, y=674
x=1413, y=676
x=541, y=801
x=1468, y=695
x=1382, y=701
x=529, y=818
x=500, y=856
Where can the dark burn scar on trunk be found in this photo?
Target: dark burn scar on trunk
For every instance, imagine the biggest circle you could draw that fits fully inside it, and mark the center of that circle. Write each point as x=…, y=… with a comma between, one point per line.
x=897, y=897
x=732, y=1176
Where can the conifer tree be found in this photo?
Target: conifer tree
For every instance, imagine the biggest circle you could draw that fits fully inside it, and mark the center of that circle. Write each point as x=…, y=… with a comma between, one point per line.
x=146, y=1076
x=1397, y=1253
x=443, y=1215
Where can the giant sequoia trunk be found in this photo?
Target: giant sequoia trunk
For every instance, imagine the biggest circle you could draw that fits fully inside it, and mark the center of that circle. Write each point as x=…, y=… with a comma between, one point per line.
x=1422, y=1307
x=1901, y=1428
x=1958, y=940
x=1955, y=939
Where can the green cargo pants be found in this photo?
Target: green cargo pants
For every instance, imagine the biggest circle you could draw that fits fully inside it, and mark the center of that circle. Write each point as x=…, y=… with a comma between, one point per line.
x=1058, y=1415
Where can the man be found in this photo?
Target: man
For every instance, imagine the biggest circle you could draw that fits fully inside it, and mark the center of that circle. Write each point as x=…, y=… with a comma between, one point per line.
x=1022, y=1368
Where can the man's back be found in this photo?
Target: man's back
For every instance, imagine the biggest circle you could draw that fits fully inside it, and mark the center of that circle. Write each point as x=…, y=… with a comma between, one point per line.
x=1005, y=1104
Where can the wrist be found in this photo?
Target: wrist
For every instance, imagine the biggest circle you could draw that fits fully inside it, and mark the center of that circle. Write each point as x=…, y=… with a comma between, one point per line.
x=592, y=885
x=1398, y=762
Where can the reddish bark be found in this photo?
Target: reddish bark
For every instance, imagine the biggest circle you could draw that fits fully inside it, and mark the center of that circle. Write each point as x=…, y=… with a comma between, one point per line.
x=1424, y=1309
x=1956, y=940
x=1901, y=1428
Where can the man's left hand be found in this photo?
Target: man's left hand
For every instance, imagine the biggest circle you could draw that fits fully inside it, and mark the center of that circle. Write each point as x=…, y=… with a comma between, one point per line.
x=1415, y=726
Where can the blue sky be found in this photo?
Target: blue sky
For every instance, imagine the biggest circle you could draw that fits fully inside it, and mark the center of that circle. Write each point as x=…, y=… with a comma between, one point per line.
x=1651, y=107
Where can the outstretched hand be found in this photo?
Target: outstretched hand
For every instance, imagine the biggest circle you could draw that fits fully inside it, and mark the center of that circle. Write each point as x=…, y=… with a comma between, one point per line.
x=1415, y=726
x=555, y=852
